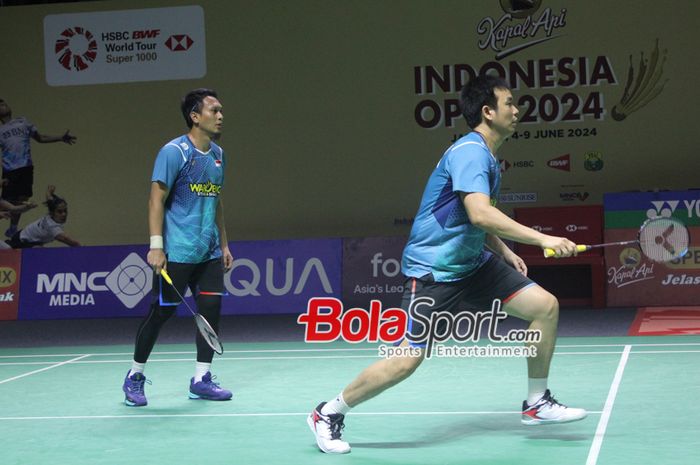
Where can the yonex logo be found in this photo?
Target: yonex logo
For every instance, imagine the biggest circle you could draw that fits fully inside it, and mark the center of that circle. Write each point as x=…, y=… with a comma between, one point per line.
x=179, y=42
x=666, y=208
x=131, y=280
x=662, y=208
x=76, y=47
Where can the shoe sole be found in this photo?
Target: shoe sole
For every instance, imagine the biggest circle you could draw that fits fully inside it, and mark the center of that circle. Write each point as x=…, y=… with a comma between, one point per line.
x=310, y=422
x=550, y=422
x=198, y=397
x=130, y=403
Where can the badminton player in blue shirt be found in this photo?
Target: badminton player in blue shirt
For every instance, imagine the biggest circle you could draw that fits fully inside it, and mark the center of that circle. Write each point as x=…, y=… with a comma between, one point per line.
x=446, y=260
x=188, y=237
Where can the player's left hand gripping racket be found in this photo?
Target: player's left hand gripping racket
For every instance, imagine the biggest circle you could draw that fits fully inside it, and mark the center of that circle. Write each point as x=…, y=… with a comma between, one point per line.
x=203, y=325
x=660, y=239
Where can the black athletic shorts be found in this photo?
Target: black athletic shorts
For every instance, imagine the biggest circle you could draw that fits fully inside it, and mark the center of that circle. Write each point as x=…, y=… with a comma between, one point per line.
x=495, y=279
x=206, y=278
x=19, y=183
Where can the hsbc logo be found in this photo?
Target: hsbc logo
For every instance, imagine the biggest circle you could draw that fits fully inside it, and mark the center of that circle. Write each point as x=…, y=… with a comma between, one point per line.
x=505, y=164
x=539, y=228
x=179, y=42
x=561, y=163
x=575, y=227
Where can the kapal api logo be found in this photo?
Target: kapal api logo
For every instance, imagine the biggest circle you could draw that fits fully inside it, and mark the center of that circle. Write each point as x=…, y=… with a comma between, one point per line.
x=520, y=23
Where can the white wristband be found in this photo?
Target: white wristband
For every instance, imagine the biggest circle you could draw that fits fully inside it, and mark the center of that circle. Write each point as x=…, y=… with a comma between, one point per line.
x=156, y=242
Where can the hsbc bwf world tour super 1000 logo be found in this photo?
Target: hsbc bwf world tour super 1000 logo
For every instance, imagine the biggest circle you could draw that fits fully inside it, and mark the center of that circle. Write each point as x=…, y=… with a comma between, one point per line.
x=76, y=48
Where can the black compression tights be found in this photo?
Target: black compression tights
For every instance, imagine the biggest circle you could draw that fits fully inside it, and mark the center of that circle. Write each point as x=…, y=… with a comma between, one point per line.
x=208, y=305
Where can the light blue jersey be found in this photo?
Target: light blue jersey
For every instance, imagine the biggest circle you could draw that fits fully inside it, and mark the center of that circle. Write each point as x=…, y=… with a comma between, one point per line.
x=194, y=180
x=15, y=143
x=443, y=241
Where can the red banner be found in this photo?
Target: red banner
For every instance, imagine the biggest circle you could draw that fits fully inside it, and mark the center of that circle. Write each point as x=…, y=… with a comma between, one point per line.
x=10, y=264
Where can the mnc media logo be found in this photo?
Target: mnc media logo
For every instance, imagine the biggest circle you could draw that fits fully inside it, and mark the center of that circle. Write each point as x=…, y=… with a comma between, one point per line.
x=129, y=281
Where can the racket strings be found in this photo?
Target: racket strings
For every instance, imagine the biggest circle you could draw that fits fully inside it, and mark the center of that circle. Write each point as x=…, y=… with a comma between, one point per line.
x=664, y=239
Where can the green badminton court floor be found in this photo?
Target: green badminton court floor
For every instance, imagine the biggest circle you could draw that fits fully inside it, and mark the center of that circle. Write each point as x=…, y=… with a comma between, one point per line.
x=64, y=406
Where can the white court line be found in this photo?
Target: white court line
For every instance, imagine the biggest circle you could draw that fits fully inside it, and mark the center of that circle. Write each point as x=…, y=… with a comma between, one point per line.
x=234, y=415
x=349, y=349
x=650, y=344
x=325, y=357
x=607, y=409
x=44, y=369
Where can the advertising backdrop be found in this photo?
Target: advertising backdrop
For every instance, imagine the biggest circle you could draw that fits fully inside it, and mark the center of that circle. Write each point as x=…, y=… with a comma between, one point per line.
x=372, y=271
x=633, y=279
x=109, y=282
x=10, y=267
x=336, y=111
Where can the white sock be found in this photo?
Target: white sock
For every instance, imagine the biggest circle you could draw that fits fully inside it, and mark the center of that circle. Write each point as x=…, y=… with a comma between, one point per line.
x=200, y=369
x=136, y=367
x=336, y=405
x=535, y=389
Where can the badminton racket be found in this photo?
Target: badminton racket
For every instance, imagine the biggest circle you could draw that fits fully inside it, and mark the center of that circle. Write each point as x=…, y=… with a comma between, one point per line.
x=660, y=239
x=203, y=325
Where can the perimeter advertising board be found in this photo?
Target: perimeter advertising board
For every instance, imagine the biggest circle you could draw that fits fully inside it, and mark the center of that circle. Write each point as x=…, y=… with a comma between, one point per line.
x=633, y=279
x=108, y=282
x=10, y=266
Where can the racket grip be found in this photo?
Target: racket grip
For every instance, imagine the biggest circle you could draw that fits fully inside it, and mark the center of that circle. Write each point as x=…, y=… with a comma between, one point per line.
x=166, y=276
x=549, y=253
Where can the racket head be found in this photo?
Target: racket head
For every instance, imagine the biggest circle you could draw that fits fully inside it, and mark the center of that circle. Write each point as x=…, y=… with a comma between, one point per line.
x=663, y=239
x=208, y=334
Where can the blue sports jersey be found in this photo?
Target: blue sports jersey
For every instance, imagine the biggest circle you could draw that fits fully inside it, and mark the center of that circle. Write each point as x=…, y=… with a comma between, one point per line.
x=16, y=144
x=194, y=180
x=443, y=241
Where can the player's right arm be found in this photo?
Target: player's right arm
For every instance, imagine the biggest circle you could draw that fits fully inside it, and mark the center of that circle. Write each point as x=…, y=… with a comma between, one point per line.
x=156, y=214
x=489, y=218
x=66, y=138
x=169, y=162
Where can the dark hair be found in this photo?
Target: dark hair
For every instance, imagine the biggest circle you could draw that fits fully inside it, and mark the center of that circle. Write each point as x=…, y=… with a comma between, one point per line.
x=54, y=202
x=193, y=102
x=477, y=93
